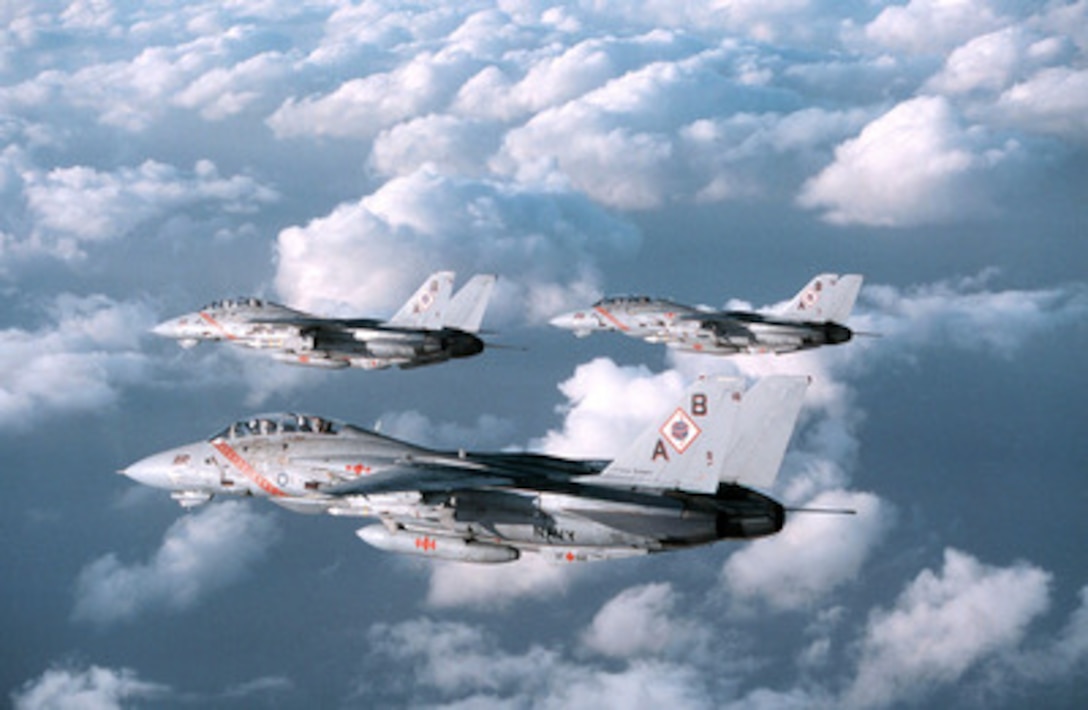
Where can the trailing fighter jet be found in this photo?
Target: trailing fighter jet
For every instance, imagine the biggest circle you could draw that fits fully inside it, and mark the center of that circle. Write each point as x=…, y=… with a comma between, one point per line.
x=813, y=318
x=688, y=480
x=431, y=327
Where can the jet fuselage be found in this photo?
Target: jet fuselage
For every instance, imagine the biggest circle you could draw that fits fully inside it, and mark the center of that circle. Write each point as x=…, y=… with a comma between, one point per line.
x=298, y=338
x=558, y=507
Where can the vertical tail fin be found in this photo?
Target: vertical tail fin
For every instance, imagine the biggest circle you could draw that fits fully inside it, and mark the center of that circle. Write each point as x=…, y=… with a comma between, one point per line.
x=427, y=306
x=718, y=432
x=768, y=415
x=827, y=297
x=466, y=309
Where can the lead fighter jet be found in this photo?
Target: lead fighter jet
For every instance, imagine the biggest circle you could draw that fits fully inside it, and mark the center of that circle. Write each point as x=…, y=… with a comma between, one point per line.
x=813, y=318
x=431, y=327
x=685, y=481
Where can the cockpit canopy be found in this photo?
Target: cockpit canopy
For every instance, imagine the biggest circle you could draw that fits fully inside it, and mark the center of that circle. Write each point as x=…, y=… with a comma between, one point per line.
x=608, y=301
x=639, y=304
x=282, y=423
x=234, y=303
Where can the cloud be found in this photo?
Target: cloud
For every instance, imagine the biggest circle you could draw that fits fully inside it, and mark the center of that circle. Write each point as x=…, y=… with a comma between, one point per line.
x=451, y=144
x=932, y=26
x=263, y=687
x=644, y=684
x=608, y=406
x=94, y=688
x=368, y=256
x=222, y=92
x=913, y=165
x=200, y=553
x=645, y=138
x=454, y=657
x=633, y=122
x=134, y=71
x=944, y=623
x=1053, y=101
x=1070, y=649
x=1047, y=661
x=458, y=584
x=448, y=661
x=78, y=363
x=813, y=555
x=72, y=207
x=362, y=107
x=638, y=621
x=985, y=63
x=64, y=687
x=488, y=431
x=966, y=313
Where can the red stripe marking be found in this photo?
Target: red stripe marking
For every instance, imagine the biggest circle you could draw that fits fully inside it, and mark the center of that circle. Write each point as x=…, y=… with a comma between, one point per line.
x=247, y=470
x=611, y=318
x=217, y=325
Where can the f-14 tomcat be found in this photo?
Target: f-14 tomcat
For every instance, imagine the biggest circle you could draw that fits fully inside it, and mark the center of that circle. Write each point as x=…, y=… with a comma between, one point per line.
x=431, y=327
x=690, y=479
x=811, y=319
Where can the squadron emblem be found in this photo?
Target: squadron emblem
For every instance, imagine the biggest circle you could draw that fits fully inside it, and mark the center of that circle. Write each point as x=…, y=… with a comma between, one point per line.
x=680, y=430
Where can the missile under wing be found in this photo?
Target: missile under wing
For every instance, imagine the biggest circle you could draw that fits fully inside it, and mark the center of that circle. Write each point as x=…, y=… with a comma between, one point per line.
x=433, y=326
x=690, y=479
x=810, y=319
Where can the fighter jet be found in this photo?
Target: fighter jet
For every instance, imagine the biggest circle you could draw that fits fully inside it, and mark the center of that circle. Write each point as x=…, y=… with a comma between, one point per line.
x=430, y=328
x=813, y=318
x=690, y=479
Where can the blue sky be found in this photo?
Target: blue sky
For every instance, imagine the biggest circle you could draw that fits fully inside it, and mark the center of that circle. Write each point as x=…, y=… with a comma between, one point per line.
x=330, y=155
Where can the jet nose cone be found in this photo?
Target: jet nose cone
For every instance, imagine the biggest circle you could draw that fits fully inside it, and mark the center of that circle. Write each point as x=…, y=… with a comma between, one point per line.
x=569, y=321
x=578, y=321
x=154, y=470
x=180, y=329
x=167, y=329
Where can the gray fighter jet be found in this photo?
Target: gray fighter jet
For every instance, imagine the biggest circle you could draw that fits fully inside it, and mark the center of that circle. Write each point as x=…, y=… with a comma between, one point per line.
x=686, y=481
x=813, y=318
x=431, y=327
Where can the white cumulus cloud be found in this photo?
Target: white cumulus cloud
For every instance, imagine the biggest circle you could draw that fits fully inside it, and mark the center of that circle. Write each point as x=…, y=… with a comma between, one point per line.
x=944, y=623
x=367, y=257
x=71, y=207
x=487, y=431
x=813, y=555
x=932, y=26
x=1053, y=101
x=79, y=362
x=608, y=406
x=967, y=313
x=199, y=554
x=459, y=663
x=637, y=621
x=914, y=165
x=91, y=688
x=466, y=585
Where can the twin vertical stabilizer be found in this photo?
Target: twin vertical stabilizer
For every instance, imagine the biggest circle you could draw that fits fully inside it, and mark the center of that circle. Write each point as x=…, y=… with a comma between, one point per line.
x=827, y=297
x=466, y=310
x=719, y=432
x=433, y=306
